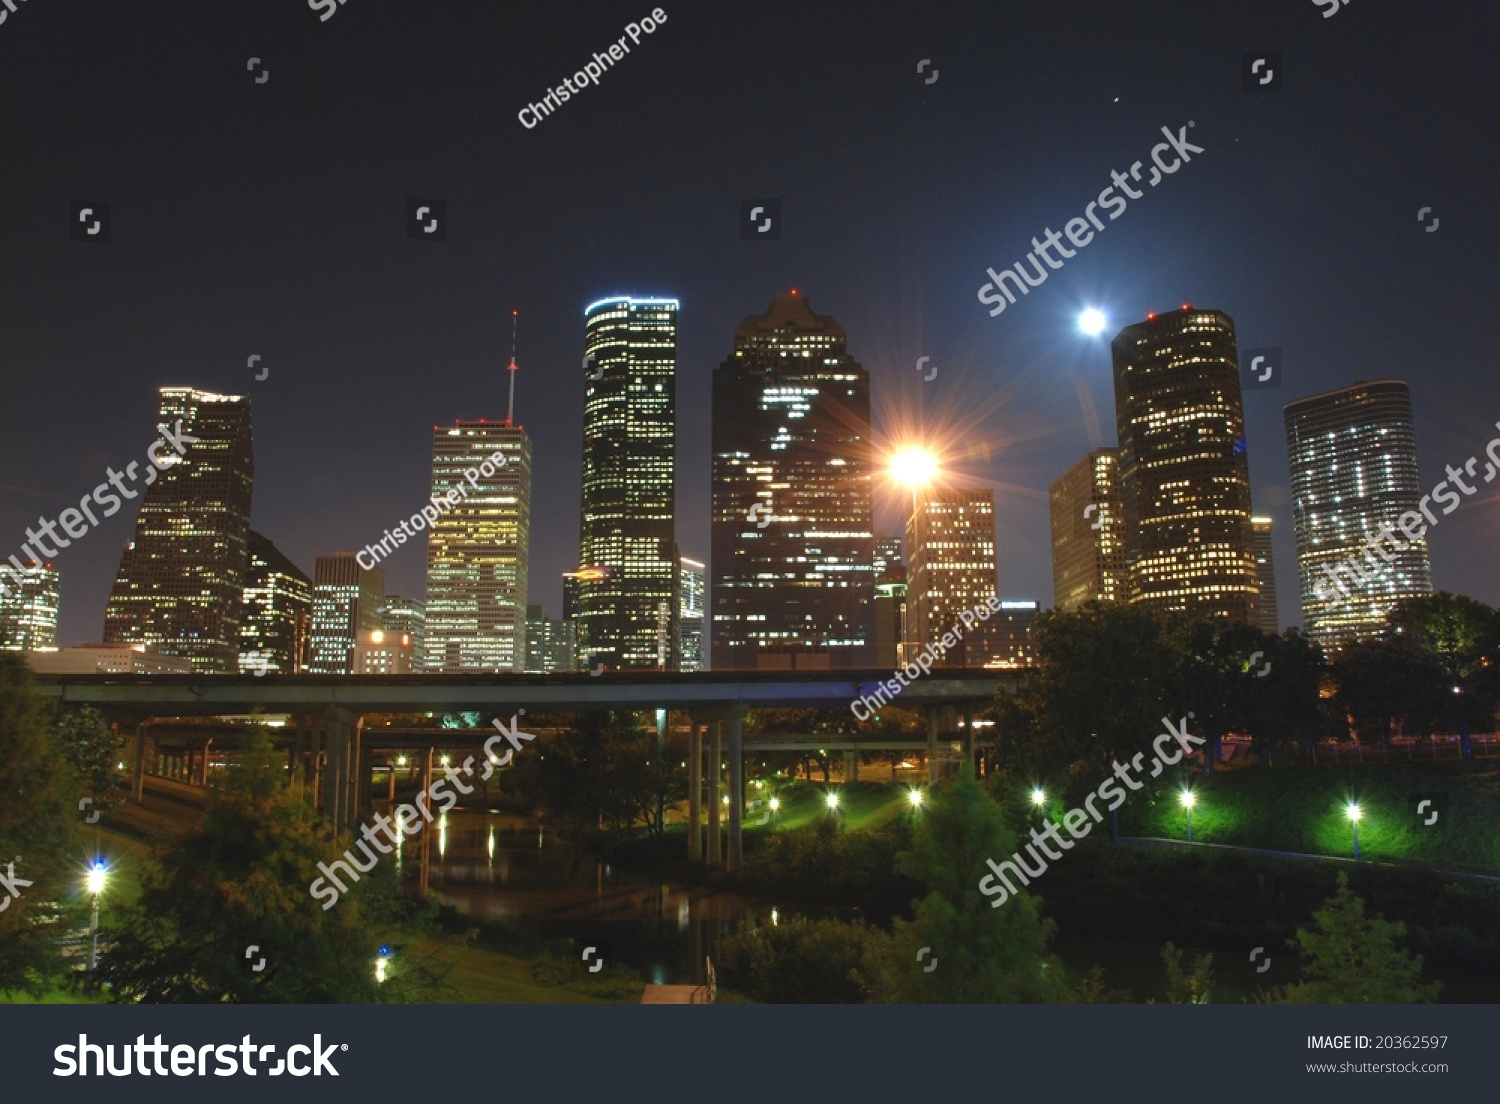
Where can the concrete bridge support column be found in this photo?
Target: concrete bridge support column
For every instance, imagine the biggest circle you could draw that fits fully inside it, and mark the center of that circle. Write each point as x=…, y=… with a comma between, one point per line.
x=695, y=791
x=138, y=775
x=340, y=744
x=203, y=761
x=425, y=850
x=716, y=749
x=932, y=746
x=971, y=739
x=851, y=766
x=736, y=790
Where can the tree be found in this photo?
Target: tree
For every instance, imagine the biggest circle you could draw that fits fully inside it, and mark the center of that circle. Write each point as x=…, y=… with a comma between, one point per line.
x=800, y=961
x=38, y=835
x=1462, y=637
x=240, y=880
x=985, y=955
x=1192, y=987
x=1348, y=958
x=92, y=747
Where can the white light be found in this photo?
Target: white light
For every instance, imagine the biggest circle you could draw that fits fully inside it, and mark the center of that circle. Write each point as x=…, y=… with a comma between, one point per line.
x=1038, y=797
x=1092, y=322
x=775, y=804
x=1352, y=811
x=832, y=800
x=96, y=878
x=915, y=797
x=1188, y=799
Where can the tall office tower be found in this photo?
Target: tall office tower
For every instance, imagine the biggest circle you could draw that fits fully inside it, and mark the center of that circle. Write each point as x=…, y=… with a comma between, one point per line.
x=692, y=588
x=627, y=581
x=889, y=612
x=551, y=645
x=277, y=614
x=1184, y=475
x=478, y=552
x=888, y=553
x=950, y=538
x=407, y=617
x=1265, y=572
x=28, y=608
x=1353, y=456
x=346, y=601
x=181, y=580
x=793, y=581
x=1088, y=533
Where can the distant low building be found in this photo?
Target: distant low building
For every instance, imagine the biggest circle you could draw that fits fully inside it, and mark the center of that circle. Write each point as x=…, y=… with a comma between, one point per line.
x=1004, y=641
x=377, y=652
x=551, y=644
x=107, y=659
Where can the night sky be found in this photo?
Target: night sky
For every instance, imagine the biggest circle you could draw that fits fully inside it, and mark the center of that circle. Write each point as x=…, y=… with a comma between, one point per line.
x=269, y=218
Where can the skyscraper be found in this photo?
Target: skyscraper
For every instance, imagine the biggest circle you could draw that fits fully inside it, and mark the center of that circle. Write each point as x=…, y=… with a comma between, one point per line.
x=407, y=617
x=793, y=543
x=181, y=580
x=28, y=608
x=1265, y=572
x=950, y=541
x=692, y=587
x=1005, y=639
x=277, y=615
x=346, y=601
x=1353, y=458
x=1184, y=474
x=626, y=595
x=1088, y=538
x=478, y=551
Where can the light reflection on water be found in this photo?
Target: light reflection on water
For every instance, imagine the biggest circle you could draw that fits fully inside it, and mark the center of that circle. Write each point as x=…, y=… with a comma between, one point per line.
x=506, y=869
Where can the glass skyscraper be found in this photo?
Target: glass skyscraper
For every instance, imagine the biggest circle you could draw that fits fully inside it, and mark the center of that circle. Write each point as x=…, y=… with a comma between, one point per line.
x=478, y=552
x=1265, y=572
x=1184, y=474
x=626, y=601
x=1353, y=458
x=277, y=617
x=407, y=617
x=1088, y=532
x=793, y=538
x=181, y=580
x=691, y=591
x=28, y=608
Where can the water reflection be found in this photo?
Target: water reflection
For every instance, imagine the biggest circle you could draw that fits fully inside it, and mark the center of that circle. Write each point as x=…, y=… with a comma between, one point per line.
x=506, y=869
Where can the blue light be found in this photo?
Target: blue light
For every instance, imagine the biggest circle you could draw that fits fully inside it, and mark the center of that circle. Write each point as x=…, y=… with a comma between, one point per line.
x=588, y=310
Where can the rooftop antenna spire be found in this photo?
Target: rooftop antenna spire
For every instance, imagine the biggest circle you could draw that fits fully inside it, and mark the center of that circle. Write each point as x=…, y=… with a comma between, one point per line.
x=510, y=411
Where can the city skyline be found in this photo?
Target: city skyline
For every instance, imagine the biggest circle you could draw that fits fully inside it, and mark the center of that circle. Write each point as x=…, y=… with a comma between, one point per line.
x=217, y=258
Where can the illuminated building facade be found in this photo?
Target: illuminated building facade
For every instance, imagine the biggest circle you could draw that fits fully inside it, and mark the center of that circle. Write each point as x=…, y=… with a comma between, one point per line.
x=346, y=602
x=1005, y=639
x=407, y=616
x=1353, y=458
x=277, y=615
x=1265, y=573
x=378, y=652
x=1184, y=474
x=478, y=552
x=626, y=602
x=793, y=581
x=28, y=608
x=692, y=588
x=551, y=644
x=950, y=538
x=181, y=580
x=1088, y=537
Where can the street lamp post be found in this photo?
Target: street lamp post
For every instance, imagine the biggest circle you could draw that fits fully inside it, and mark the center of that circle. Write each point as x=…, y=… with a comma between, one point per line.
x=1353, y=812
x=96, y=888
x=1189, y=799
